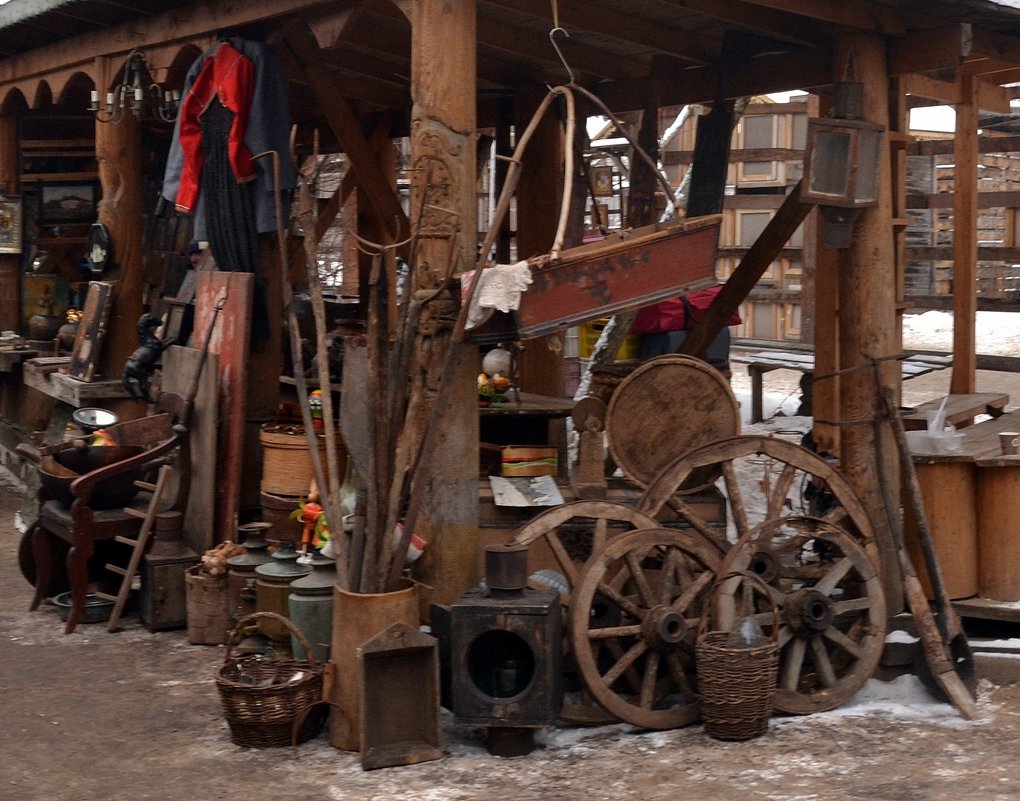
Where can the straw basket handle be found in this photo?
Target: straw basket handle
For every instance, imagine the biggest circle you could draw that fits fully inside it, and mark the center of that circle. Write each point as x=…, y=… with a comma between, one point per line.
x=235, y=635
x=755, y=579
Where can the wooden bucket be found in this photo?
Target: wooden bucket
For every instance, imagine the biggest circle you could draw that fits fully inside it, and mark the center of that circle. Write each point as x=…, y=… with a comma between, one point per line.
x=208, y=607
x=357, y=618
x=286, y=461
x=277, y=510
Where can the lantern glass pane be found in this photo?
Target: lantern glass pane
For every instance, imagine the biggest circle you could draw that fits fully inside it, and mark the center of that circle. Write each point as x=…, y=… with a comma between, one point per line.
x=830, y=164
x=866, y=189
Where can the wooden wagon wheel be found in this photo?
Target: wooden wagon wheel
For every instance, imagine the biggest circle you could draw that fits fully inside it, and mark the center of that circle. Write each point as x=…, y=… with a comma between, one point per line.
x=573, y=532
x=634, y=620
x=764, y=478
x=832, y=617
x=666, y=408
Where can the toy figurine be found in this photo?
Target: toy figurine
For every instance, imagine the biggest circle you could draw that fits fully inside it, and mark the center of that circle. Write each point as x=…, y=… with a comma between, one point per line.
x=140, y=364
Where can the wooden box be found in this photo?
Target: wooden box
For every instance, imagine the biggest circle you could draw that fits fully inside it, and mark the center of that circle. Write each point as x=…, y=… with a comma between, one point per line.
x=528, y=460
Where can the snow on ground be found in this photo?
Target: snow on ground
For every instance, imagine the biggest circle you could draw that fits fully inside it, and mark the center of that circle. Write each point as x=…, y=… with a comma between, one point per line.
x=996, y=333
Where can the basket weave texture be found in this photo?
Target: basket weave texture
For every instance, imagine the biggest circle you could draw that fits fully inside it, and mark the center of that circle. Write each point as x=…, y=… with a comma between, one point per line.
x=268, y=703
x=737, y=684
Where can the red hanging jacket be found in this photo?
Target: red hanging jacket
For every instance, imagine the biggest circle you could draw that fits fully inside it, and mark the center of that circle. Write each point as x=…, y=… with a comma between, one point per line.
x=229, y=77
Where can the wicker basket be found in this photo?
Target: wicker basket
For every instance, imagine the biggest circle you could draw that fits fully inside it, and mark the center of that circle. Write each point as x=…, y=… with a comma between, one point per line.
x=737, y=684
x=272, y=715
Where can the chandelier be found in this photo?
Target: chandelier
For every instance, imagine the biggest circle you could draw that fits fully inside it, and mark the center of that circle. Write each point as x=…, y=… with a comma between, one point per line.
x=136, y=93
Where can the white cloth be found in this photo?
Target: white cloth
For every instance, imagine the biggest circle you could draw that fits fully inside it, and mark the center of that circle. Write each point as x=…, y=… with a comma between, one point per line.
x=499, y=288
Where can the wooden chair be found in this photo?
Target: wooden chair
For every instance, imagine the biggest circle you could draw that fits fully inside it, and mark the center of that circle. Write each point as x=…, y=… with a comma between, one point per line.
x=81, y=525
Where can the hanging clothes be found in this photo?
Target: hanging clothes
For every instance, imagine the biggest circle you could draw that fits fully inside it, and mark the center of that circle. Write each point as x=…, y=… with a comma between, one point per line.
x=226, y=81
x=266, y=127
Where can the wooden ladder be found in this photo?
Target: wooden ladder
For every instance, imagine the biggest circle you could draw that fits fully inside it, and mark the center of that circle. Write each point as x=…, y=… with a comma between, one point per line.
x=138, y=544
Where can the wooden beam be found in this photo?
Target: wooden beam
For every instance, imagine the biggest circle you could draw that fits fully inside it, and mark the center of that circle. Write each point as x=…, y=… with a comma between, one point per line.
x=985, y=200
x=582, y=58
x=679, y=86
x=862, y=16
x=751, y=268
x=990, y=96
x=379, y=190
x=181, y=24
x=965, y=246
x=986, y=144
x=932, y=49
x=777, y=25
x=577, y=15
x=751, y=154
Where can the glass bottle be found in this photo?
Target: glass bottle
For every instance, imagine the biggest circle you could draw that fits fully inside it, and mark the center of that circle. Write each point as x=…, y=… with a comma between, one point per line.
x=746, y=633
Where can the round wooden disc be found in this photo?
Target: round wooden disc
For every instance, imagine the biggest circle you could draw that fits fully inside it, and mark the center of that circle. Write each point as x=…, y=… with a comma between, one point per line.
x=666, y=408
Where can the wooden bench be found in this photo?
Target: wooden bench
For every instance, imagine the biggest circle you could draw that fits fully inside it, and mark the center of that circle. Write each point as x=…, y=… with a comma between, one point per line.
x=960, y=409
x=763, y=362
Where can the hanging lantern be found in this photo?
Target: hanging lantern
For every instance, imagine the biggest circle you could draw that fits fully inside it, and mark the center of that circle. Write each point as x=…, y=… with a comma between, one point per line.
x=841, y=162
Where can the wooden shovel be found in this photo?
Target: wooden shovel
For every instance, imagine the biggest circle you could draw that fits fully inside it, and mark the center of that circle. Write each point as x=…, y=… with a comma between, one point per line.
x=946, y=649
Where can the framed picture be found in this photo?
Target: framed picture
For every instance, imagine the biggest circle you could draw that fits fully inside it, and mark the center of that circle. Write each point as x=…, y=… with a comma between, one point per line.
x=10, y=224
x=67, y=203
x=91, y=331
x=602, y=181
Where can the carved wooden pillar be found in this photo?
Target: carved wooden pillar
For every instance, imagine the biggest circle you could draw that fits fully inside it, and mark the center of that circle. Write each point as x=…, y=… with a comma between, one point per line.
x=119, y=153
x=10, y=263
x=443, y=54
x=867, y=313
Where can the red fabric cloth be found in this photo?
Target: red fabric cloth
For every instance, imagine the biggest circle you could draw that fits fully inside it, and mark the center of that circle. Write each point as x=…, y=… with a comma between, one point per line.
x=229, y=77
x=677, y=315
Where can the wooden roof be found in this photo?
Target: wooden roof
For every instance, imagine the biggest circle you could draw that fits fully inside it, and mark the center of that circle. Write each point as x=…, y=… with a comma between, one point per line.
x=700, y=49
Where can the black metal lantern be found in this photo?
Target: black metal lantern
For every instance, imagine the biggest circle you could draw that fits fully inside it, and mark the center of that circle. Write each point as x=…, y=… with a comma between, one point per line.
x=507, y=642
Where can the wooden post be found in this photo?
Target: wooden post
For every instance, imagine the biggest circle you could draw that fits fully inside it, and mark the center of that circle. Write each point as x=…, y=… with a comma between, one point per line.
x=119, y=153
x=965, y=250
x=10, y=263
x=538, y=210
x=443, y=92
x=867, y=313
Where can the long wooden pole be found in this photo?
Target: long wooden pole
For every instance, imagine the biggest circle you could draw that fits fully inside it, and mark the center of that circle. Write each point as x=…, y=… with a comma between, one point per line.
x=965, y=249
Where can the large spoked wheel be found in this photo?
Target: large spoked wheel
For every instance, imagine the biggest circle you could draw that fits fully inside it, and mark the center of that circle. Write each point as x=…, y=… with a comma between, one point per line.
x=633, y=624
x=832, y=616
x=572, y=533
x=763, y=478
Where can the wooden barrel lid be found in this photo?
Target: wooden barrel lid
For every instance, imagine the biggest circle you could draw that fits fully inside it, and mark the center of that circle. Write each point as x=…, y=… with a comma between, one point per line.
x=666, y=408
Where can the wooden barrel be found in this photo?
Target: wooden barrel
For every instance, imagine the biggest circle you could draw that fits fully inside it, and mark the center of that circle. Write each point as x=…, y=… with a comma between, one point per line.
x=358, y=617
x=287, y=462
x=948, y=489
x=998, y=528
x=208, y=607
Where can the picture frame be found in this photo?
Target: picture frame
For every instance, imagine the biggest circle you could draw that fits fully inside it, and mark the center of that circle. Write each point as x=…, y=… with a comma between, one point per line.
x=91, y=331
x=11, y=228
x=602, y=181
x=67, y=202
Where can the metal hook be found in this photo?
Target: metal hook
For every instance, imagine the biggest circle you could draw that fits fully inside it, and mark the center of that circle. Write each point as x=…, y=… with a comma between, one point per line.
x=556, y=47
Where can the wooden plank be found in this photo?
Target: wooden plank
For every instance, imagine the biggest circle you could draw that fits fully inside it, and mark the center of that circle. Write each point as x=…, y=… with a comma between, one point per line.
x=998, y=528
x=179, y=366
x=960, y=409
x=230, y=340
x=651, y=264
x=984, y=609
x=985, y=200
x=965, y=245
x=944, y=147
